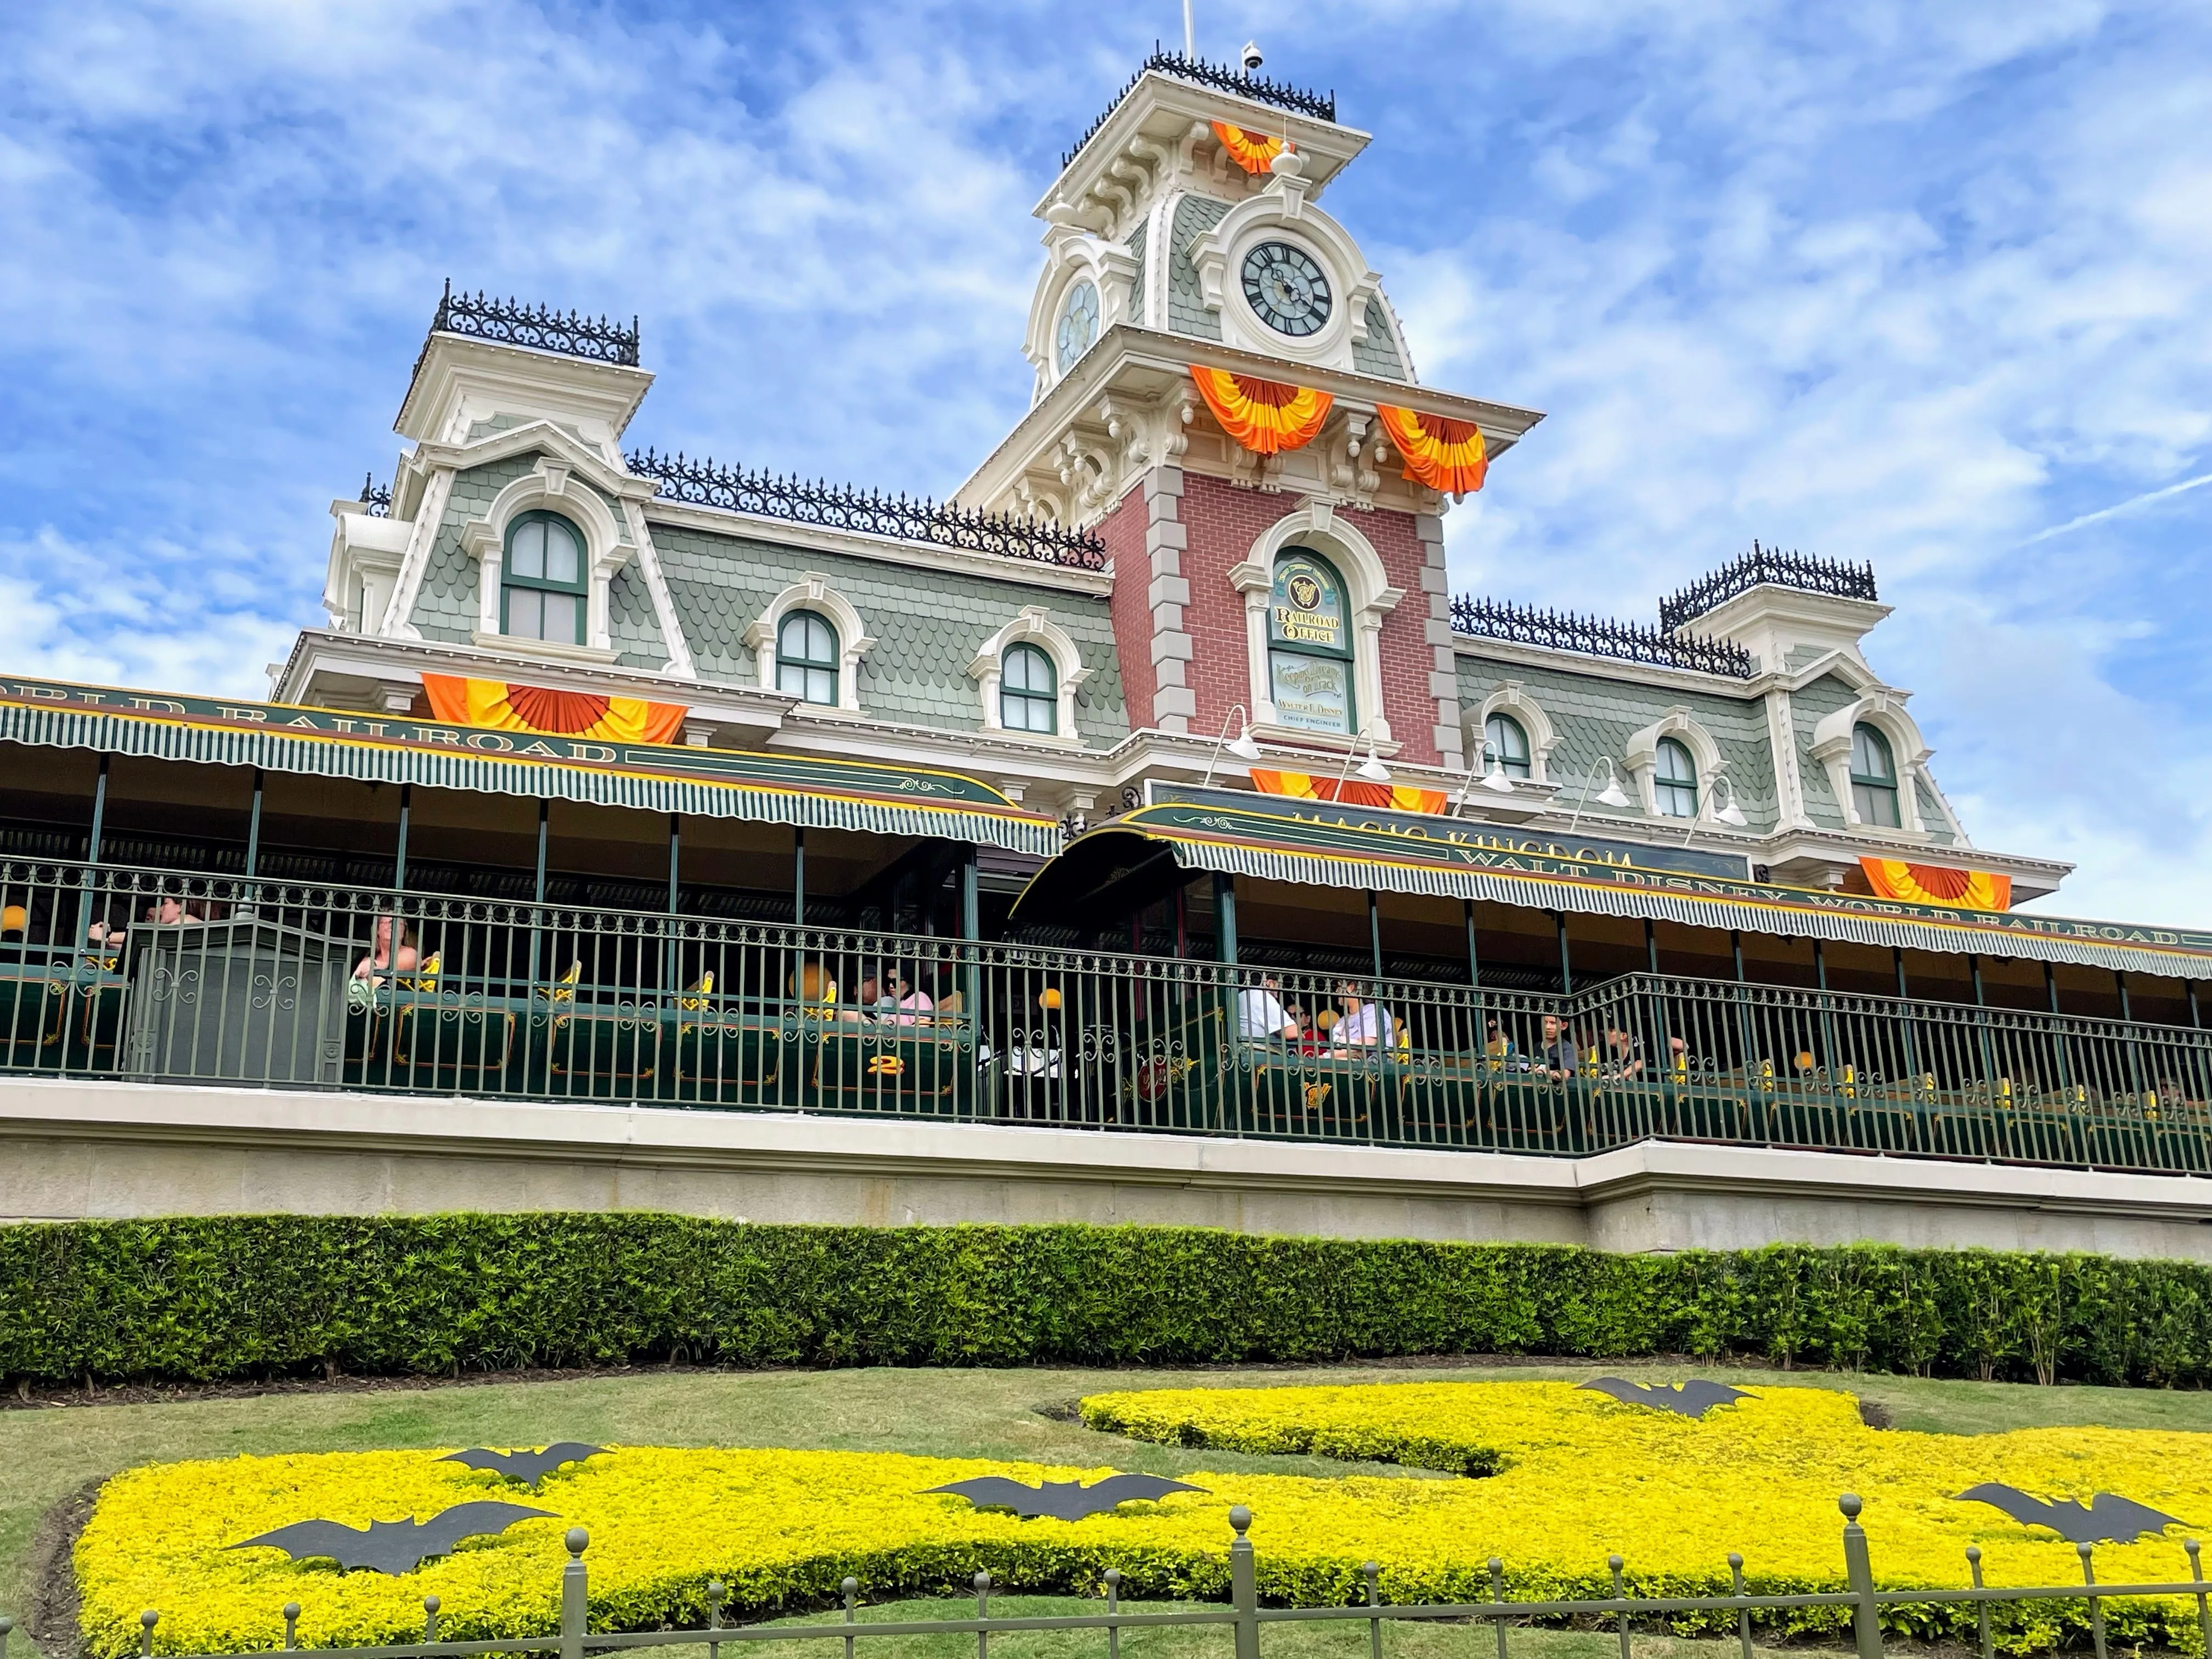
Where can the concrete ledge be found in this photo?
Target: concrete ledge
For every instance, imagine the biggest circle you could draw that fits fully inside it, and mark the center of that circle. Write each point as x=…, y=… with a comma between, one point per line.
x=71, y=1150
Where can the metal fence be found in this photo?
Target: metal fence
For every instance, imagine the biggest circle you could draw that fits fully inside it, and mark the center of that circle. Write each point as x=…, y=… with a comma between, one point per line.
x=1861, y=1606
x=164, y=976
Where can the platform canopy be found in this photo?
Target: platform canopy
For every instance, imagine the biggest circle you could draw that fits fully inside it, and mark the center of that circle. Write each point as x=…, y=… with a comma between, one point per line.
x=1135, y=859
x=770, y=788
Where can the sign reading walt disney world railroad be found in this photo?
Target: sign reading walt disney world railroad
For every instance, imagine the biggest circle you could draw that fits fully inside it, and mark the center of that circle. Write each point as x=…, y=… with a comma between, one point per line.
x=1468, y=833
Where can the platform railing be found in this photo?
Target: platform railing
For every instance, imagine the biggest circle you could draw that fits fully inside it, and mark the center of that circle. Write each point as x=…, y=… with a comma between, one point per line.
x=160, y=976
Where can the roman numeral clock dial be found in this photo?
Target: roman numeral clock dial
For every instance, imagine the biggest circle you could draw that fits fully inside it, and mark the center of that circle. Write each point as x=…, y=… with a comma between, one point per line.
x=1286, y=289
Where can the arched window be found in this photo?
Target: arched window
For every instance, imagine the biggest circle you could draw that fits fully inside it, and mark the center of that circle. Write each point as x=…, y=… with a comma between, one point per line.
x=1874, y=779
x=1674, y=780
x=1309, y=645
x=1029, y=690
x=541, y=581
x=1505, y=742
x=806, y=657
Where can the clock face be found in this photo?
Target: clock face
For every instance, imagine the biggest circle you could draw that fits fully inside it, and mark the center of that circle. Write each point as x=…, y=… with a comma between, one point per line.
x=1286, y=289
x=1078, y=324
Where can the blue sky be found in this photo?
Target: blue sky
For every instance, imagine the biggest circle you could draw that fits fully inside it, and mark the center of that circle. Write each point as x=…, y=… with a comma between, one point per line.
x=1924, y=285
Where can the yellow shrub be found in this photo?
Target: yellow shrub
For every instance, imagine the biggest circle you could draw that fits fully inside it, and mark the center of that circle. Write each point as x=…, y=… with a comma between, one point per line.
x=1581, y=1477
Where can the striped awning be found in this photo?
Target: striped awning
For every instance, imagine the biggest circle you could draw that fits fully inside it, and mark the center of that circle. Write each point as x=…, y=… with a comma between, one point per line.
x=769, y=788
x=1123, y=860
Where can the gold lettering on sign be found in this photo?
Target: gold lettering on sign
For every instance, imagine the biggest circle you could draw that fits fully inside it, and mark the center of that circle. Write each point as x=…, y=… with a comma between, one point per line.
x=437, y=734
x=157, y=705
x=254, y=715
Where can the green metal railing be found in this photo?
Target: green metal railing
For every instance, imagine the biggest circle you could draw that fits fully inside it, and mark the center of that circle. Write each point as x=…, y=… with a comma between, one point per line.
x=2062, y=1611
x=160, y=976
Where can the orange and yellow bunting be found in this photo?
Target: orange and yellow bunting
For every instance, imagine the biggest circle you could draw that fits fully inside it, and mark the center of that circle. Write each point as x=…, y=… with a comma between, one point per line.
x=505, y=708
x=1938, y=883
x=1350, y=792
x=1254, y=152
x=1445, y=455
x=1266, y=417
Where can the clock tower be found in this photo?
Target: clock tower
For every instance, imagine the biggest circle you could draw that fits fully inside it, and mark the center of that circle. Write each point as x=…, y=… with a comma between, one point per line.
x=1224, y=393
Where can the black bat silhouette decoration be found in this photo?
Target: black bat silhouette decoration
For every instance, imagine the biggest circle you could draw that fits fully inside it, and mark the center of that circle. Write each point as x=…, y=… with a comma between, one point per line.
x=1064, y=1500
x=1692, y=1399
x=2107, y=1518
x=528, y=1467
x=393, y=1547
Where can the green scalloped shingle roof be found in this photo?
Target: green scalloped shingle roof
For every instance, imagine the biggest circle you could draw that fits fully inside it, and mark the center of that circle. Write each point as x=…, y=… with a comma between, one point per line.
x=928, y=624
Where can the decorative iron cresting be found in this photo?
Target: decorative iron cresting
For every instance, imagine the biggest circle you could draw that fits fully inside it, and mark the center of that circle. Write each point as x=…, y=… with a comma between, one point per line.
x=1064, y=1500
x=1692, y=1399
x=1597, y=636
x=526, y=1465
x=375, y=498
x=392, y=1546
x=705, y=483
x=511, y=323
x=1223, y=78
x=1767, y=567
x=2107, y=1518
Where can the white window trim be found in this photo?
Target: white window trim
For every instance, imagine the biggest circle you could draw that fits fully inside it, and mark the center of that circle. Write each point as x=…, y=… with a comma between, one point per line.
x=1034, y=626
x=1831, y=748
x=1641, y=758
x=549, y=487
x=1369, y=597
x=1512, y=698
x=813, y=593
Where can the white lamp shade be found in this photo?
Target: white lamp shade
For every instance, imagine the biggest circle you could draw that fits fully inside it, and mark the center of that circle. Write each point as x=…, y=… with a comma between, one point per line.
x=1373, y=770
x=1497, y=780
x=1244, y=748
x=1613, y=795
x=1732, y=815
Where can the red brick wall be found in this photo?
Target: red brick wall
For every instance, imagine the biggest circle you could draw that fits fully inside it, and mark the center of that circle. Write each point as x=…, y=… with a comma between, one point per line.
x=1223, y=522
x=1123, y=532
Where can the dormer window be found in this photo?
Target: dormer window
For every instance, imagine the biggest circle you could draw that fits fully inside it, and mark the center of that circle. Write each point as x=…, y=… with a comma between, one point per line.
x=1078, y=326
x=1674, y=780
x=542, y=594
x=1506, y=745
x=1874, y=779
x=806, y=658
x=1029, y=691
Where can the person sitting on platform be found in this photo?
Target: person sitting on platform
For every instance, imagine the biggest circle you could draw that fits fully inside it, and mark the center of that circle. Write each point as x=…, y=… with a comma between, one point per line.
x=1620, y=1055
x=870, y=1004
x=167, y=911
x=1500, y=1047
x=1260, y=1014
x=1561, y=1055
x=1362, y=1024
x=909, y=1004
x=386, y=956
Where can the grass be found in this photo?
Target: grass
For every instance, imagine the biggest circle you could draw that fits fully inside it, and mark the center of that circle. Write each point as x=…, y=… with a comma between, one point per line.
x=1409, y=1639
x=49, y=1452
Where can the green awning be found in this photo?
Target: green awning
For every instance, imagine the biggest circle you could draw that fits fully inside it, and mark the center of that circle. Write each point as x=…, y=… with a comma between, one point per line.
x=1125, y=860
x=768, y=788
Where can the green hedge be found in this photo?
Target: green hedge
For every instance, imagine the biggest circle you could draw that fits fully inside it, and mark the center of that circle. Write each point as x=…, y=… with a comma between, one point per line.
x=253, y=1295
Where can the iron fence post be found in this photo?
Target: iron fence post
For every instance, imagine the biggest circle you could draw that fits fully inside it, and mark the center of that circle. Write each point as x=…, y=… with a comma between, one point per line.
x=983, y=1611
x=714, y=1594
x=2196, y=1576
x=850, y=1589
x=1981, y=1608
x=1370, y=1573
x=1244, y=1585
x=6, y=1624
x=575, y=1595
x=430, y=1605
x=146, y=1620
x=1497, y=1594
x=1619, y=1594
x=1113, y=1612
x=1858, y=1572
x=1743, y=1617
x=2096, y=1602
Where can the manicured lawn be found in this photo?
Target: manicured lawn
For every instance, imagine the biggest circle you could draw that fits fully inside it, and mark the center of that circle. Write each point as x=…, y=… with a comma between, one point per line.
x=47, y=1453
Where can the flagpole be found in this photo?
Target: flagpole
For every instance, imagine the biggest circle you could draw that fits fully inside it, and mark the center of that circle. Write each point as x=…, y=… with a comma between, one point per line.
x=1189, y=40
